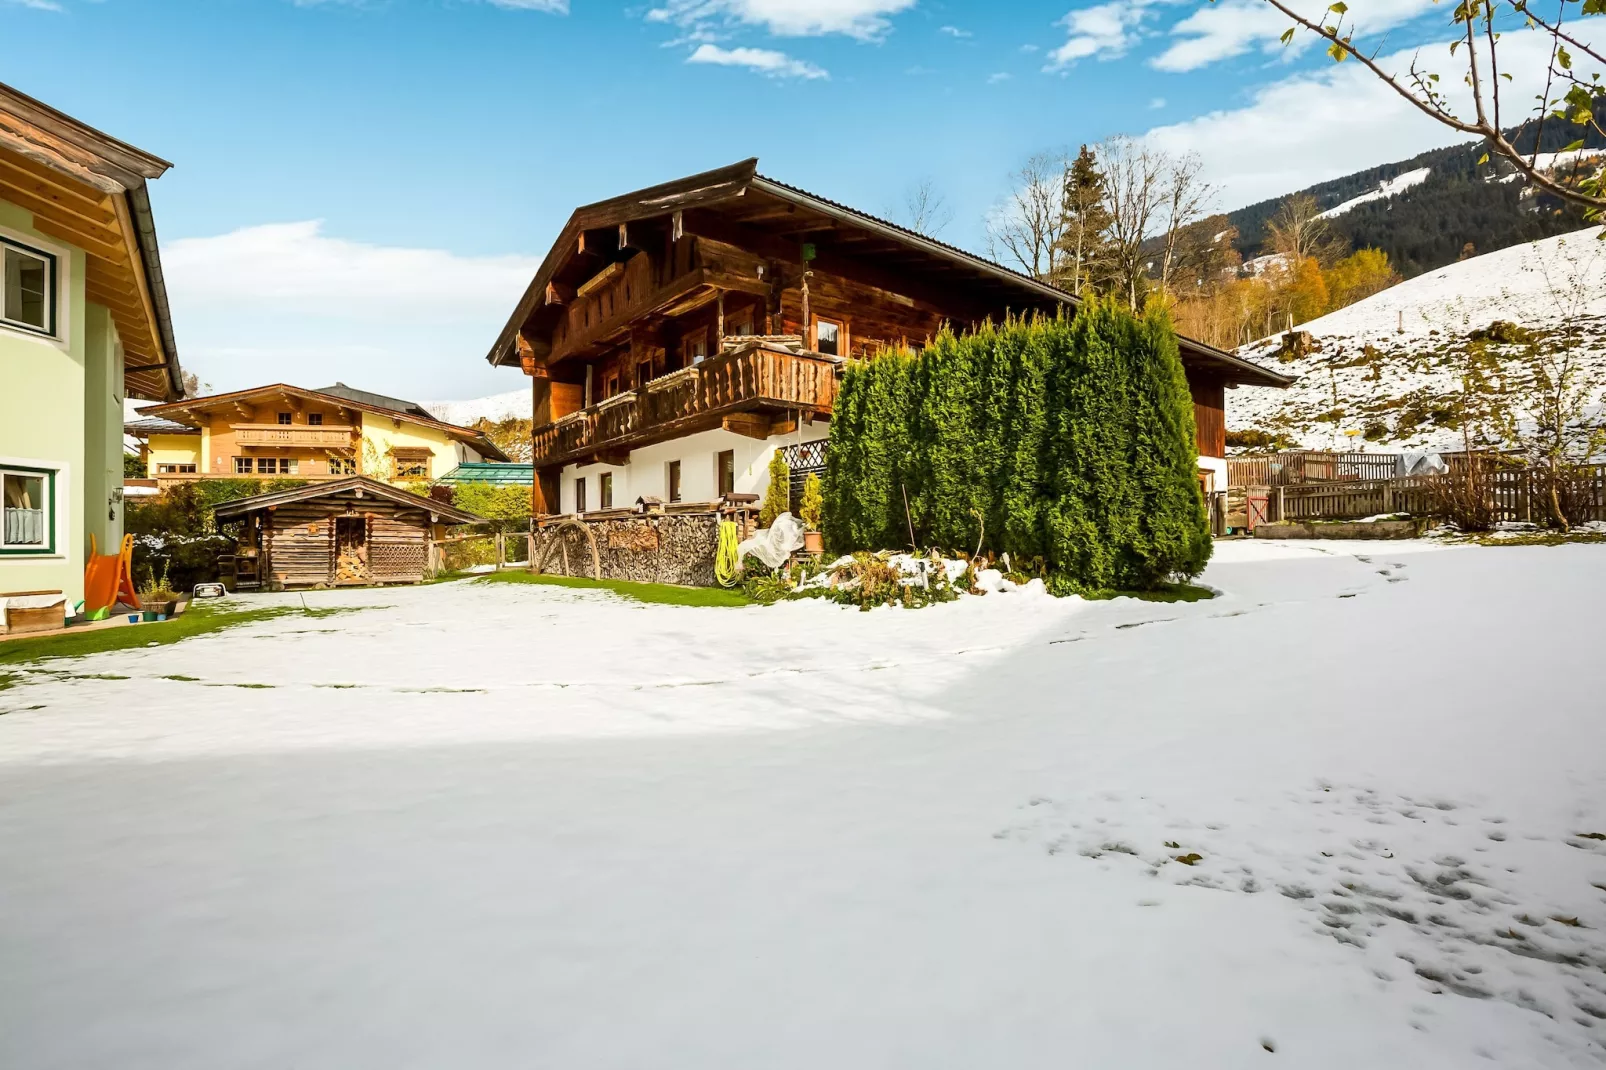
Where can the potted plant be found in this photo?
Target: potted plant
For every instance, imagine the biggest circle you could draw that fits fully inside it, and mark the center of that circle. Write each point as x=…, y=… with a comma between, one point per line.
x=157, y=598
x=809, y=509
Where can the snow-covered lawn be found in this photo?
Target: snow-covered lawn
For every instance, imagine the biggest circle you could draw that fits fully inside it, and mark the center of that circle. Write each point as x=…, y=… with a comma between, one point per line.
x=503, y=825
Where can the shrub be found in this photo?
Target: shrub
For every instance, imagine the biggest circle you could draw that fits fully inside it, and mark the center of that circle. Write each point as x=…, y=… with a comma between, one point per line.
x=778, y=495
x=506, y=507
x=813, y=502
x=1066, y=440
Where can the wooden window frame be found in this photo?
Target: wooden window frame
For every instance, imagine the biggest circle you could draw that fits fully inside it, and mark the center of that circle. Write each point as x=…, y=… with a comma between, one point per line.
x=672, y=481
x=286, y=418
x=605, y=490
x=721, y=489
x=52, y=286
x=314, y=419
x=579, y=495
x=687, y=357
x=411, y=458
x=244, y=466
x=174, y=469
x=26, y=549
x=841, y=326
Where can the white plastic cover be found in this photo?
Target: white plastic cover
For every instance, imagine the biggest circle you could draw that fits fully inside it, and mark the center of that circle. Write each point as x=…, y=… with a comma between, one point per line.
x=774, y=544
x=1421, y=464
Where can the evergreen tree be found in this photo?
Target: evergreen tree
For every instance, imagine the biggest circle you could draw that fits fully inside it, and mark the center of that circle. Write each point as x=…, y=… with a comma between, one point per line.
x=1083, y=260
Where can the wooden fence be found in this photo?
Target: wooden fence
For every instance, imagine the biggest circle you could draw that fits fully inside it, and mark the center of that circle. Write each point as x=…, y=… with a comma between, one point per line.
x=1519, y=496
x=1309, y=466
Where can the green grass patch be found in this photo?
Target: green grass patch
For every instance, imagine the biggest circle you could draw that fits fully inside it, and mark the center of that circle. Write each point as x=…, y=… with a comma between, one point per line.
x=8, y=680
x=1171, y=592
x=197, y=620
x=666, y=594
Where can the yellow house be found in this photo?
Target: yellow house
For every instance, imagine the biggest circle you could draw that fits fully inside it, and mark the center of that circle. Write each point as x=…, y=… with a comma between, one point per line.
x=83, y=324
x=288, y=432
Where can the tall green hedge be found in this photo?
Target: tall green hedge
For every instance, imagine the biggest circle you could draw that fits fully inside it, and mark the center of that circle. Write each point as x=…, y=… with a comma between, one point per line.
x=1068, y=442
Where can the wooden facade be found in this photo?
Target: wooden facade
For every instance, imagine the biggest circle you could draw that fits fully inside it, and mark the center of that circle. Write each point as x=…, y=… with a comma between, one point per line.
x=353, y=532
x=728, y=300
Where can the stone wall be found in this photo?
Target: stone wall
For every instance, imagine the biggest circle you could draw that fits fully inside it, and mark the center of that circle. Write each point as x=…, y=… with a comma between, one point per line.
x=649, y=549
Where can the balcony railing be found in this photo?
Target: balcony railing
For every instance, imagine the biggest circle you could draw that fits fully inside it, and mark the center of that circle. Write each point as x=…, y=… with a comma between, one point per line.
x=693, y=399
x=315, y=435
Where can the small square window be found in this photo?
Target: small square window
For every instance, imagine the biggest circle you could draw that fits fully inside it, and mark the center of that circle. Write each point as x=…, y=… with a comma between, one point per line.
x=605, y=490
x=242, y=466
x=289, y=466
x=314, y=419
x=284, y=417
x=694, y=347
x=267, y=466
x=828, y=338
x=27, y=288
x=26, y=503
x=342, y=466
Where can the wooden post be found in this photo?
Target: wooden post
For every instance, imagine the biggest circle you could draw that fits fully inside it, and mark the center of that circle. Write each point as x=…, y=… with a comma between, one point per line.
x=529, y=552
x=719, y=329
x=501, y=551
x=1281, y=515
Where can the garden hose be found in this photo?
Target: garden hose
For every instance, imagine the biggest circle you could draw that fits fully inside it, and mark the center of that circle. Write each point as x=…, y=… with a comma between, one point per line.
x=726, y=558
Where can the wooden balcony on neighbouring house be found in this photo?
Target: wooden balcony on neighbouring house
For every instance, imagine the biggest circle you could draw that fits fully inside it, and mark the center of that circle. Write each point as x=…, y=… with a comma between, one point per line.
x=164, y=480
x=326, y=436
x=755, y=390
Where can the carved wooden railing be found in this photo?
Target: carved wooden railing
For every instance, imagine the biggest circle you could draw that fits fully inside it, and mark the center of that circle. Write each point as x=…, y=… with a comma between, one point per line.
x=731, y=382
x=292, y=435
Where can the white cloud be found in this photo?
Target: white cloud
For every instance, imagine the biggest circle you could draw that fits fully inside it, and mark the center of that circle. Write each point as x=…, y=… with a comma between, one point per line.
x=763, y=60
x=38, y=5
x=1336, y=121
x=1105, y=30
x=1000, y=76
x=862, y=19
x=1232, y=27
x=954, y=31
x=554, y=7
x=1157, y=103
x=286, y=302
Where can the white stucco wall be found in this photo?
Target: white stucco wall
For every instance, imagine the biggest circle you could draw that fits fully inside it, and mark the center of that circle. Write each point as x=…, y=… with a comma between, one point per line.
x=1217, y=467
x=648, y=470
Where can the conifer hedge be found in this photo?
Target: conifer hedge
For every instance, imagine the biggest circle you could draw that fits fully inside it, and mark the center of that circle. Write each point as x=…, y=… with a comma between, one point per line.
x=1067, y=442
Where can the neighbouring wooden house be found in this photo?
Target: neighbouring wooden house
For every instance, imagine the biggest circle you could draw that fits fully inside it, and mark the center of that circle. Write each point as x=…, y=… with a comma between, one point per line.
x=679, y=335
x=84, y=323
x=287, y=432
x=352, y=531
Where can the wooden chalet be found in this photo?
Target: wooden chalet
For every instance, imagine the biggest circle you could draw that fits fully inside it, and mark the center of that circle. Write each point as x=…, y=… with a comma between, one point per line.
x=673, y=332
x=354, y=531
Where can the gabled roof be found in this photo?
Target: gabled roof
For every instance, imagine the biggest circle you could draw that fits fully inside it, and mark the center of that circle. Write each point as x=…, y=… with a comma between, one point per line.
x=89, y=189
x=368, y=397
x=182, y=409
x=361, y=486
x=740, y=189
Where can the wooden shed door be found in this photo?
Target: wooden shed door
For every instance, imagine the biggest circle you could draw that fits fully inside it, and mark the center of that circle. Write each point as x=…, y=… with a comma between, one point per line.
x=351, y=549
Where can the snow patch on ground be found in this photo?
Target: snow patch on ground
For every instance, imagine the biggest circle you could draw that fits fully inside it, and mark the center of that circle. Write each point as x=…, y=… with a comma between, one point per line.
x=1345, y=811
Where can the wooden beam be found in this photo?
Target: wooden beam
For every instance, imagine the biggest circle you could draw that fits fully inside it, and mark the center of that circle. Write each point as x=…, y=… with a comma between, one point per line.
x=18, y=182
x=558, y=293
x=751, y=424
x=89, y=239
x=85, y=198
x=782, y=427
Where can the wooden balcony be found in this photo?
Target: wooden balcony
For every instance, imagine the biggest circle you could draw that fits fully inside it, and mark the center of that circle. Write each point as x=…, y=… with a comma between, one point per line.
x=316, y=436
x=164, y=480
x=745, y=390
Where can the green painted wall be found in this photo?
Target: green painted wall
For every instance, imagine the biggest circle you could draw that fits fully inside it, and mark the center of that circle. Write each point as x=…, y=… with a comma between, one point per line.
x=61, y=408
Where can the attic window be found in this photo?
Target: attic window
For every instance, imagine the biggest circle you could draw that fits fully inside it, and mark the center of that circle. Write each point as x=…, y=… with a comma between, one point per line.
x=28, y=292
x=409, y=462
x=828, y=337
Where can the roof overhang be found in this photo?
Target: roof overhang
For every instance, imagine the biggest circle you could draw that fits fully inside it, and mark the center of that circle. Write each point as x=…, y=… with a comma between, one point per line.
x=88, y=189
x=361, y=485
x=902, y=250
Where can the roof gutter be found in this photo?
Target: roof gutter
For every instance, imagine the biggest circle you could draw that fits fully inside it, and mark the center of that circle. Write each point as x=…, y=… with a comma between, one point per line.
x=139, y=203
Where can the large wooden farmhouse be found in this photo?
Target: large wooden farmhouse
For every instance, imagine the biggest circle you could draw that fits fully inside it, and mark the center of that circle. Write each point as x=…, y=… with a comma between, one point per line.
x=678, y=335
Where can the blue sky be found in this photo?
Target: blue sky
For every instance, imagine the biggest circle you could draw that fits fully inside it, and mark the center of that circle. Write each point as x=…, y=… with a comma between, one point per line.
x=362, y=188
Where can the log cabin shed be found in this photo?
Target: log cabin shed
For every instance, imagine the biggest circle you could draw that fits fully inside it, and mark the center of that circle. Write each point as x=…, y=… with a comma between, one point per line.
x=352, y=532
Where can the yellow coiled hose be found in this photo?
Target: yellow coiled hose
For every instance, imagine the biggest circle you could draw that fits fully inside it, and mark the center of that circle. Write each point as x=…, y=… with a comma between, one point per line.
x=726, y=560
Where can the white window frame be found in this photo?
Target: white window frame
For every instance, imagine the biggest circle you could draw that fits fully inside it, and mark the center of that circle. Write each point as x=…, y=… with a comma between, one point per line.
x=52, y=263
x=52, y=546
x=61, y=277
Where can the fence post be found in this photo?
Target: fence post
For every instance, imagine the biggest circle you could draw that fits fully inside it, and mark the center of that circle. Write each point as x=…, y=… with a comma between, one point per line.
x=1281, y=514
x=501, y=552
x=1388, y=497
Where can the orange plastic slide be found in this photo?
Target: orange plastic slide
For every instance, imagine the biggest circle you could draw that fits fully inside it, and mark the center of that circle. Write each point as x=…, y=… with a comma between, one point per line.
x=109, y=580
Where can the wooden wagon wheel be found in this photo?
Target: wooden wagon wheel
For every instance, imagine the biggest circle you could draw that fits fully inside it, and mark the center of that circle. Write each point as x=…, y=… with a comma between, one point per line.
x=557, y=529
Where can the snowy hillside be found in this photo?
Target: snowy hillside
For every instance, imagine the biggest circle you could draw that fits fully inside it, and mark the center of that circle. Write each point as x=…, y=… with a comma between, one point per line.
x=1386, y=189
x=514, y=404
x=1384, y=365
